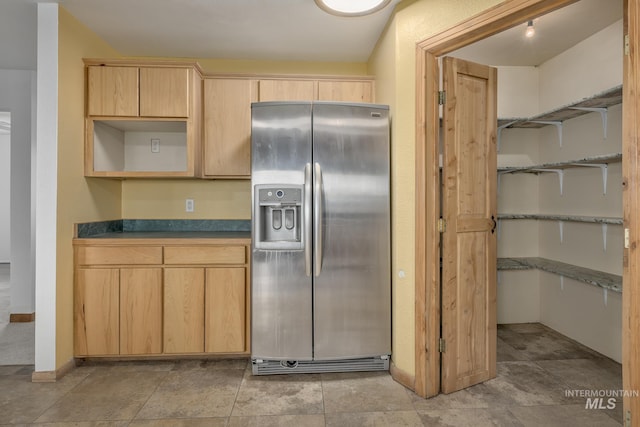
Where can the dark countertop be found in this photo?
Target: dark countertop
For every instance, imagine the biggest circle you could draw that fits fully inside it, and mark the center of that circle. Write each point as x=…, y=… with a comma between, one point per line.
x=173, y=235
x=164, y=229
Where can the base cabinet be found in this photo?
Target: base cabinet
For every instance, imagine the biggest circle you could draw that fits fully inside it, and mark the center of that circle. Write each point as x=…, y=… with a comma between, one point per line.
x=183, y=310
x=97, y=312
x=192, y=301
x=140, y=311
x=225, y=310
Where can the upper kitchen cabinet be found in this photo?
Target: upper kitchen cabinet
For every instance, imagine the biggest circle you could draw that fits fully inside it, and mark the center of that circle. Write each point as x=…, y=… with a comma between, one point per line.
x=345, y=91
x=227, y=127
x=112, y=91
x=287, y=90
x=342, y=89
x=143, y=118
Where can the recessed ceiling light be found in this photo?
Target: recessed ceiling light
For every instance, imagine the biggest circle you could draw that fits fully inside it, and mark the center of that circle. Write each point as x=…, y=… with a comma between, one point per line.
x=351, y=7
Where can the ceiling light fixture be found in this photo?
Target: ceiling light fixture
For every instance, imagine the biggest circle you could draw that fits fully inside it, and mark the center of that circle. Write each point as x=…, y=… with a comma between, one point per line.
x=530, y=30
x=351, y=7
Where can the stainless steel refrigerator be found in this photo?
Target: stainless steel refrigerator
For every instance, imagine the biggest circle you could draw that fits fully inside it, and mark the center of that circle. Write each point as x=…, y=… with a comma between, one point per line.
x=320, y=265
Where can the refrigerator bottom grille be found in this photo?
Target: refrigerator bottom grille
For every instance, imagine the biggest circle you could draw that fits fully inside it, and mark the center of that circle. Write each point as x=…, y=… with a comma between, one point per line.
x=274, y=367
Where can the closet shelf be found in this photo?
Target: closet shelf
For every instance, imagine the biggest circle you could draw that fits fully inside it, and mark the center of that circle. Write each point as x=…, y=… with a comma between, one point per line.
x=599, y=101
x=551, y=167
x=601, y=162
x=569, y=218
x=607, y=281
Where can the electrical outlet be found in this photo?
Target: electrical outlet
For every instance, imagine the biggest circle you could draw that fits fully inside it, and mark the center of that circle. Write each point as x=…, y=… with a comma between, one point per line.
x=155, y=145
x=189, y=205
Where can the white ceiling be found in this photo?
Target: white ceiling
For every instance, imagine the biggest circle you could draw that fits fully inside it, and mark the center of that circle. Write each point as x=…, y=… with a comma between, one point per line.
x=231, y=29
x=276, y=30
x=555, y=33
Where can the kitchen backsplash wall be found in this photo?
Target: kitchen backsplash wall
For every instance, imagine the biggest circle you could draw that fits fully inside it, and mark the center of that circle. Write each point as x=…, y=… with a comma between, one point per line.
x=166, y=199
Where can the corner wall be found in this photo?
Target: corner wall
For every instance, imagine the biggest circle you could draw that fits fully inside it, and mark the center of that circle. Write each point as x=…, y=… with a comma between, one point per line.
x=393, y=62
x=79, y=199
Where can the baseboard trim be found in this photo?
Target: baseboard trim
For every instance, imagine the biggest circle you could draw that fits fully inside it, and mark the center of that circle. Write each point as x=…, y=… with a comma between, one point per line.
x=22, y=317
x=402, y=377
x=53, y=376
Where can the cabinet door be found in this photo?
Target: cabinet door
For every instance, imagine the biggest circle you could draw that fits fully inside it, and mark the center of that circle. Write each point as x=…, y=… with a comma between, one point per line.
x=164, y=92
x=140, y=310
x=184, y=310
x=345, y=91
x=112, y=91
x=225, y=312
x=227, y=127
x=96, y=312
x=287, y=90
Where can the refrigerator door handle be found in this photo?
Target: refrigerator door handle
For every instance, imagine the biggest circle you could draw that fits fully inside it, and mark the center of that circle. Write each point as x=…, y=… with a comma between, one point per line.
x=317, y=217
x=308, y=220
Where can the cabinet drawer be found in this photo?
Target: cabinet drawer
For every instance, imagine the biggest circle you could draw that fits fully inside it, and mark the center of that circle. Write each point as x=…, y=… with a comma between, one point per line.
x=204, y=255
x=111, y=255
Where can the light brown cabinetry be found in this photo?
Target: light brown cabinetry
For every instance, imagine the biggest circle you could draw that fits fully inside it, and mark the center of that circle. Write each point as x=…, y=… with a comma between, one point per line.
x=227, y=112
x=144, y=297
x=164, y=92
x=112, y=91
x=345, y=91
x=183, y=310
x=316, y=90
x=140, y=311
x=227, y=127
x=287, y=90
x=138, y=91
x=225, y=317
x=97, y=312
x=143, y=119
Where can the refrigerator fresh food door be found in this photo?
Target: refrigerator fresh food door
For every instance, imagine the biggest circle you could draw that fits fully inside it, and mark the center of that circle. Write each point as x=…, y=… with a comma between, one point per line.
x=281, y=323
x=352, y=307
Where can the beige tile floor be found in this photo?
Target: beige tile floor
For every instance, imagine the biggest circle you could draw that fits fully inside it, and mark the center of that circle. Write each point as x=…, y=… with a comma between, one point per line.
x=536, y=365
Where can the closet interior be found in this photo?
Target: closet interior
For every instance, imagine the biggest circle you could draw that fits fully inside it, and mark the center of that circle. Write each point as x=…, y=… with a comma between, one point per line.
x=559, y=141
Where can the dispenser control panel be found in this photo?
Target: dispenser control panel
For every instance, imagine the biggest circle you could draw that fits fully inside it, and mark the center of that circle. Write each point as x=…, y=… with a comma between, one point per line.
x=278, y=217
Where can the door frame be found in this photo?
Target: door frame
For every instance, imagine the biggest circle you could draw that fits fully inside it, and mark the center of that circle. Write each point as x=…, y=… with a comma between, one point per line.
x=427, y=283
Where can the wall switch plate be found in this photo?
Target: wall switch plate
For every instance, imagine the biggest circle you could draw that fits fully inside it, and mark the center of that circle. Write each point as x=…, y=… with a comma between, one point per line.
x=155, y=145
x=189, y=205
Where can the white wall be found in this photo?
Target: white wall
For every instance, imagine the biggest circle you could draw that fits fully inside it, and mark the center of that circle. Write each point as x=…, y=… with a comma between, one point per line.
x=592, y=66
x=16, y=89
x=18, y=25
x=5, y=194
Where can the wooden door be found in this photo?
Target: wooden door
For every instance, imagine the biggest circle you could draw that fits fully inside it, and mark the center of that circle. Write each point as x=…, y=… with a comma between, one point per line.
x=345, y=91
x=225, y=314
x=469, y=209
x=287, y=90
x=164, y=92
x=140, y=310
x=183, y=310
x=227, y=126
x=112, y=91
x=96, y=320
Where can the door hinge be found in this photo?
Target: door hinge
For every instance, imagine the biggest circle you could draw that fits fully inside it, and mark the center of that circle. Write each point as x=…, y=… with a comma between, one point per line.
x=442, y=97
x=442, y=345
x=626, y=44
x=627, y=419
x=442, y=225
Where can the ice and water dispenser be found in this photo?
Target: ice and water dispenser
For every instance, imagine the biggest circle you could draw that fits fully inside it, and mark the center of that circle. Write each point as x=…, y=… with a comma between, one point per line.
x=278, y=217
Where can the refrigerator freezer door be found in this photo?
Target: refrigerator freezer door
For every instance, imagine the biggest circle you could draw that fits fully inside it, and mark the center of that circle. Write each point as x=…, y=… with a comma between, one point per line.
x=352, y=291
x=281, y=291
